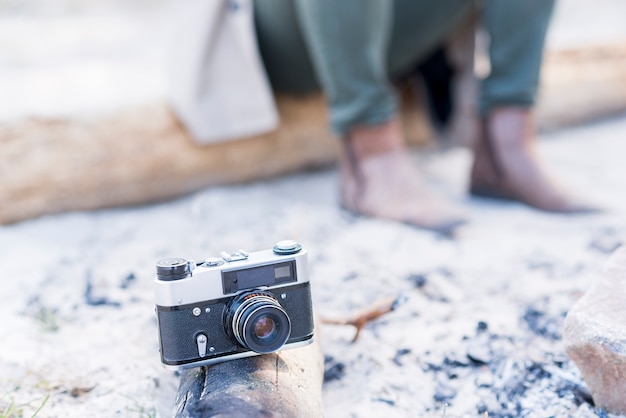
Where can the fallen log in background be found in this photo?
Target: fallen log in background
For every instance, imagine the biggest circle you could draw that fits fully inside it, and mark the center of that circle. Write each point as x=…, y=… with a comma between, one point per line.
x=284, y=384
x=582, y=84
x=143, y=155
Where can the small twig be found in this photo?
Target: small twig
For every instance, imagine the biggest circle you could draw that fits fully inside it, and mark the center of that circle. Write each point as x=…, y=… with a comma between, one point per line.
x=370, y=314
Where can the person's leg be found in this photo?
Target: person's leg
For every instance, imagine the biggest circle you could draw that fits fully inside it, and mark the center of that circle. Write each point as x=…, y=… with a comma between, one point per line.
x=356, y=45
x=506, y=163
x=282, y=47
x=517, y=32
x=349, y=42
x=419, y=28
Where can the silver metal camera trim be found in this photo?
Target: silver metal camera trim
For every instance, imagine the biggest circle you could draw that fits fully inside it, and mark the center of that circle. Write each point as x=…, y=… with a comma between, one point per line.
x=220, y=359
x=205, y=282
x=237, y=320
x=273, y=303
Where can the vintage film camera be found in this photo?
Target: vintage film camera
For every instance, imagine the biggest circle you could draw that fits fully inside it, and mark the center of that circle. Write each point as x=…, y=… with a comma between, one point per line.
x=234, y=306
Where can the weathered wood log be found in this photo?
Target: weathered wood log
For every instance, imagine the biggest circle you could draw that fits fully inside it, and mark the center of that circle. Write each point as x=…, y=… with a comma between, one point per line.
x=284, y=384
x=143, y=155
x=582, y=84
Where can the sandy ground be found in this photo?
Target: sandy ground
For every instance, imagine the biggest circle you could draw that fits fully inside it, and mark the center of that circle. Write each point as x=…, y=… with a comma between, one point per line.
x=478, y=312
x=478, y=328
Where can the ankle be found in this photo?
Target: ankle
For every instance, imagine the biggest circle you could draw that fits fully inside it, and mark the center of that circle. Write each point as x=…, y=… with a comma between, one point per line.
x=510, y=126
x=367, y=141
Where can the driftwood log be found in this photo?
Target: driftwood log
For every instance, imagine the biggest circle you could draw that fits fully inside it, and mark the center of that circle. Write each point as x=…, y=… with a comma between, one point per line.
x=284, y=384
x=582, y=84
x=143, y=155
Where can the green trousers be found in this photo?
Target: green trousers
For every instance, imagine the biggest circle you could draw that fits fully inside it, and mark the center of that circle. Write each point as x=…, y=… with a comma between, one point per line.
x=352, y=48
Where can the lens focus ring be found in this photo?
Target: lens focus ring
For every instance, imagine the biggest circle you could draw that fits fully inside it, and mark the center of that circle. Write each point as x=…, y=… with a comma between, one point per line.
x=258, y=322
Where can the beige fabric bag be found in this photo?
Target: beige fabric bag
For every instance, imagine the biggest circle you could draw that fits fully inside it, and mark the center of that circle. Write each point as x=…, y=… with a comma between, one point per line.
x=218, y=87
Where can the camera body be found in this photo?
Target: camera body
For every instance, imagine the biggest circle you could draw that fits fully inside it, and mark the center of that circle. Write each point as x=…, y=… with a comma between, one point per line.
x=233, y=306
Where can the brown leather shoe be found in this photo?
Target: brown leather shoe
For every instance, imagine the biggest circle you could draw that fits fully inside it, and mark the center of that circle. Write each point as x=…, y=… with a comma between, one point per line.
x=507, y=165
x=385, y=184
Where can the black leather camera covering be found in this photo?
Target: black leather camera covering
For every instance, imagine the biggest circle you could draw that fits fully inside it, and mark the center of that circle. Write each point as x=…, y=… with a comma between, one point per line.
x=179, y=327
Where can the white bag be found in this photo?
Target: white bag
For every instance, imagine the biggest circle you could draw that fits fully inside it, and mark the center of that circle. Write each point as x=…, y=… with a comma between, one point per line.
x=218, y=87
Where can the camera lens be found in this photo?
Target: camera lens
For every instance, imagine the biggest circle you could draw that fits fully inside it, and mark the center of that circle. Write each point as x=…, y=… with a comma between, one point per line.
x=264, y=328
x=258, y=322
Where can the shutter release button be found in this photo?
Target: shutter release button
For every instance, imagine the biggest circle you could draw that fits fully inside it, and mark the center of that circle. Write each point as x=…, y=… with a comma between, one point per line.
x=286, y=247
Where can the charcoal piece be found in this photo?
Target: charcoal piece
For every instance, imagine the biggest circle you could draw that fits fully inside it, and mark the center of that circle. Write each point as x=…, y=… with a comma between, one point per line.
x=418, y=280
x=536, y=372
x=455, y=360
x=128, y=280
x=479, y=352
x=481, y=326
x=560, y=359
x=92, y=300
x=579, y=392
x=601, y=413
x=542, y=324
x=333, y=370
x=444, y=393
x=386, y=400
x=400, y=353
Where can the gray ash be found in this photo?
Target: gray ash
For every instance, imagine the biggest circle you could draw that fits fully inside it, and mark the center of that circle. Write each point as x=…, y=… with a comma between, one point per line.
x=128, y=280
x=506, y=380
x=92, y=300
x=333, y=369
x=543, y=324
x=418, y=280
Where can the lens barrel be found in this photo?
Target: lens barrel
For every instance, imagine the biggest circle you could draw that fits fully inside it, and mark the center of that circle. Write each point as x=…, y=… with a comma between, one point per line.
x=258, y=322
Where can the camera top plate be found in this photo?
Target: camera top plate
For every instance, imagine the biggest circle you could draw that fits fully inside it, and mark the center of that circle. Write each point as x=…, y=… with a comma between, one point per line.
x=204, y=282
x=238, y=256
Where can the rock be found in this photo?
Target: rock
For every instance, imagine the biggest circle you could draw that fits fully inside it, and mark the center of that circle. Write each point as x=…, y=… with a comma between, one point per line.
x=595, y=336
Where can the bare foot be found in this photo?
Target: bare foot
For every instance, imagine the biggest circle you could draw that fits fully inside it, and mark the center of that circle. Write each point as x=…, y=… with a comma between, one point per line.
x=378, y=179
x=507, y=165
